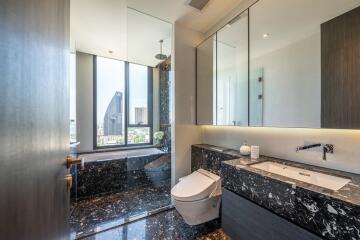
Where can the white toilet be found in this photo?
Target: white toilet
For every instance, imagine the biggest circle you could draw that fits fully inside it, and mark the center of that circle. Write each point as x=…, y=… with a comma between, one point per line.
x=197, y=197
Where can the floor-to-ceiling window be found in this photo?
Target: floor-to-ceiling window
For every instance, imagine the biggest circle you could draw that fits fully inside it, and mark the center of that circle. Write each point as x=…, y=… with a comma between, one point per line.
x=123, y=100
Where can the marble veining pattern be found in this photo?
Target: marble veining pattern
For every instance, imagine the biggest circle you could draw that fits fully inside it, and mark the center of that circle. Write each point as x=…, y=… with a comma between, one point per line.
x=205, y=157
x=327, y=213
x=100, y=213
x=111, y=172
x=167, y=225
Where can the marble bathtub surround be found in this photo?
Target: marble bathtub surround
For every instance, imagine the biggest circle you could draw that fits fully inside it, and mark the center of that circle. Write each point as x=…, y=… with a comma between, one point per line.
x=167, y=225
x=120, y=171
x=164, y=102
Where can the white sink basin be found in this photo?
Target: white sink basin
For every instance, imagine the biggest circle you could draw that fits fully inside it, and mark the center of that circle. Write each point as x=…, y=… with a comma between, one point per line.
x=308, y=176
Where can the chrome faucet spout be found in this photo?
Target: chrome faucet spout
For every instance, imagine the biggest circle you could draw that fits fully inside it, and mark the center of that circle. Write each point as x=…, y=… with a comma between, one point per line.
x=304, y=147
x=326, y=148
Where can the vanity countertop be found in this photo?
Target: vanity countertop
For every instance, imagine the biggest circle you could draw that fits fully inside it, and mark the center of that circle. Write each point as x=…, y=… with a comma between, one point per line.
x=327, y=213
x=349, y=193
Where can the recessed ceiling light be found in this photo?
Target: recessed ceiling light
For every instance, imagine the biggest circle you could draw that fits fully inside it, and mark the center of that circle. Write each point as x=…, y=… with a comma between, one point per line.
x=266, y=35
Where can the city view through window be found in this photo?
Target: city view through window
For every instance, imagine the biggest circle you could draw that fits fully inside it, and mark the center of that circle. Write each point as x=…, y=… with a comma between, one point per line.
x=111, y=97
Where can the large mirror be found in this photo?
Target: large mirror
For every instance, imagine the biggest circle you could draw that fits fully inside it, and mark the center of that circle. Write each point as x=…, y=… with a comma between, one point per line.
x=206, y=82
x=232, y=73
x=297, y=65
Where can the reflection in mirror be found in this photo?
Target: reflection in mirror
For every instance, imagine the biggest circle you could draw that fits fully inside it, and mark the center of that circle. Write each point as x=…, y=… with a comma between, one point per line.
x=206, y=82
x=232, y=72
x=287, y=73
x=303, y=69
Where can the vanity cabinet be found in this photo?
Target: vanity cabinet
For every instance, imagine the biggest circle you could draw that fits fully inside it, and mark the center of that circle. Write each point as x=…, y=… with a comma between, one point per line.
x=243, y=219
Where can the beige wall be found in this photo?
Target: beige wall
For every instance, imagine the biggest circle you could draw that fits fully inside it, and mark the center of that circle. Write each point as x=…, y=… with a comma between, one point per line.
x=184, y=130
x=84, y=101
x=281, y=143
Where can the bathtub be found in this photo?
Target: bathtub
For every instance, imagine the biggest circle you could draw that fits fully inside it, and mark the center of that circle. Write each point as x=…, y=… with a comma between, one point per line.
x=117, y=171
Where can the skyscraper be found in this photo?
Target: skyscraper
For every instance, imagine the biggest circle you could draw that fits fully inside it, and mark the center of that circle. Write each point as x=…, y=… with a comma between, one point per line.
x=140, y=115
x=113, y=119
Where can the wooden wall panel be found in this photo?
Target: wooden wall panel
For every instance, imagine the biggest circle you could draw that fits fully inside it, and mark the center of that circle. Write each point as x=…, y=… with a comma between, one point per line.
x=340, y=71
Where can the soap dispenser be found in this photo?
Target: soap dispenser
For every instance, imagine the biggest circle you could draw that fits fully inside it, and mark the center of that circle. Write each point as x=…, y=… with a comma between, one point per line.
x=245, y=149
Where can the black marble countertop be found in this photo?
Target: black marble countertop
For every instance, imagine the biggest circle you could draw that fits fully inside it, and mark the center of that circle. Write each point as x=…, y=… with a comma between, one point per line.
x=349, y=193
x=330, y=214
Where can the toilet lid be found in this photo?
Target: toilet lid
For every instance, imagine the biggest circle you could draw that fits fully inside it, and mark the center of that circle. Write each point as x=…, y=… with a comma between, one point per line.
x=194, y=187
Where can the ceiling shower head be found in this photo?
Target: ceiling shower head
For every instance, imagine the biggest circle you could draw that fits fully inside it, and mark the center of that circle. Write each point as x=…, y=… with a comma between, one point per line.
x=161, y=56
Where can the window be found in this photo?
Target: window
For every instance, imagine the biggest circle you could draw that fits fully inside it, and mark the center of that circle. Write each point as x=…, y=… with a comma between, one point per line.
x=72, y=97
x=139, y=111
x=123, y=103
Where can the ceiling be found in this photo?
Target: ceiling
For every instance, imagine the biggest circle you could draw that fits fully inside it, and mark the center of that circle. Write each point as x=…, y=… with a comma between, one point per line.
x=178, y=10
x=112, y=28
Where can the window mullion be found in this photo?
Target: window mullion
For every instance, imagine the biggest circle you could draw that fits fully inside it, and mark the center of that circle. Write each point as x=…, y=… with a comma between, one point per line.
x=126, y=101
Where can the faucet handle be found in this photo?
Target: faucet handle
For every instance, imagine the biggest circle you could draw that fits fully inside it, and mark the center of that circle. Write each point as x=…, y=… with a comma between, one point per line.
x=327, y=148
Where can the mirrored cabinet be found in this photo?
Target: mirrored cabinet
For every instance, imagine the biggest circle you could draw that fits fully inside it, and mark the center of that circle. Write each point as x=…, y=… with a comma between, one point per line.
x=282, y=69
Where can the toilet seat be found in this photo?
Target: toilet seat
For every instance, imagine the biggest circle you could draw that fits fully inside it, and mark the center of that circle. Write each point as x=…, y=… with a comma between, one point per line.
x=199, y=185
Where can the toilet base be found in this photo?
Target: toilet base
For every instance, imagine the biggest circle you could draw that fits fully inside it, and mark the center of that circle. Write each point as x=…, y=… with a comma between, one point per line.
x=198, y=212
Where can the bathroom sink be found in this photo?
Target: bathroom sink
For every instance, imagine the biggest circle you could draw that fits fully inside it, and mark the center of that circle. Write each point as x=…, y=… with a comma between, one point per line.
x=308, y=176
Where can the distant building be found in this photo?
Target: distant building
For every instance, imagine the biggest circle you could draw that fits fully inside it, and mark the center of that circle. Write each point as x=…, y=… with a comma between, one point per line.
x=113, y=119
x=141, y=115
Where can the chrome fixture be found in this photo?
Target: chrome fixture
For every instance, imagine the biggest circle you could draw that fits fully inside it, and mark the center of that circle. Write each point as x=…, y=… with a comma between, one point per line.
x=327, y=148
x=161, y=56
x=304, y=147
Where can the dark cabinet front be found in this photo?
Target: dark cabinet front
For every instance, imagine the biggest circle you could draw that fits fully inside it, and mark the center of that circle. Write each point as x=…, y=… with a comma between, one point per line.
x=244, y=220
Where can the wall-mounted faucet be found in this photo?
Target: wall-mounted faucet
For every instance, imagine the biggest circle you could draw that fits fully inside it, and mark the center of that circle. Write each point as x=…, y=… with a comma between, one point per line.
x=327, y=148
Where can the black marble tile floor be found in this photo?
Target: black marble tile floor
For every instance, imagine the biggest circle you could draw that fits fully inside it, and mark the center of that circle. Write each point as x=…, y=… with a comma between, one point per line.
x=167, y=225
x=100, y=213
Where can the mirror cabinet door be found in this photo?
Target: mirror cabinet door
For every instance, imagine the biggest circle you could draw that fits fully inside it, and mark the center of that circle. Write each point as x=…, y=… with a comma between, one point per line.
x=285, y=64
x=206, y=82
x=232, y=73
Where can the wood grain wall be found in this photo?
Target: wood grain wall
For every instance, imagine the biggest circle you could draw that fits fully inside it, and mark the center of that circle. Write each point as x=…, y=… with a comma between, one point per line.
x=34, y=119
x=340, y=71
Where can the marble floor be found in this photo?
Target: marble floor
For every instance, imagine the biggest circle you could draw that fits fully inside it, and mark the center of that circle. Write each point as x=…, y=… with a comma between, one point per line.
x=167, y=225
x=101, y=213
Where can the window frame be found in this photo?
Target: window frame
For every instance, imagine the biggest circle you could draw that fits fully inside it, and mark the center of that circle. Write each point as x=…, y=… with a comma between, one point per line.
x=127, y=107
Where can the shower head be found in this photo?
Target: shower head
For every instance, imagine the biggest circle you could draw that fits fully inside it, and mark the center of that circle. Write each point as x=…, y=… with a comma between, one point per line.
x=161, y=56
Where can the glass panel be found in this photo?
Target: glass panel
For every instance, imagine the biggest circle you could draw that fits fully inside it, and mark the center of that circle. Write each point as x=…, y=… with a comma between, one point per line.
x=232, y=72
x=110, y=102
x=72, y=97
x=138, y=94
x=138, y=135
x=144, y=34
